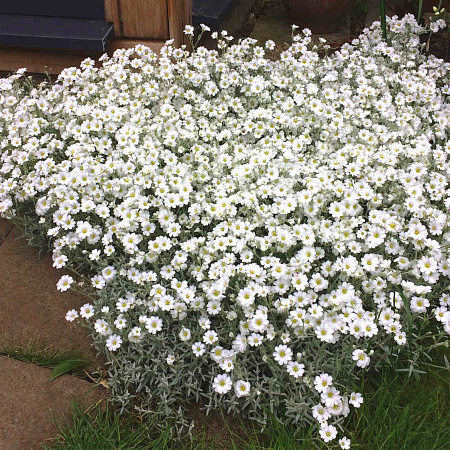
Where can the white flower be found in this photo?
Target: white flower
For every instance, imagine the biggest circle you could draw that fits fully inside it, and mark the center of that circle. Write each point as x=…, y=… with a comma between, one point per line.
x=189, y=30
x=222, y=384
x=113, y=342
x=282, y=354
x=258, y=322
x=320, y=413
x=87, y=311
x=295, y=369
x=102, y=327
x=322, y=382
x=328, y=433
x=242, y=388
x=330, y=397
x=419, y=304
x=400, y=338
x=108, y=273
x=135, y=334
x=71, y=315
x=123, y=305
x=120, y=323
x=270, y=45
x=153, y=324
x=198, y=348
x=356, y=399
x=185, y=334
x=98, y=282
x=344, y=443
x=227, y=364
x=361, y=358
x=64, y=283
x=217, y=354
x=434, y=27
x=210, y=337
x=60, y=261
x=325, y=332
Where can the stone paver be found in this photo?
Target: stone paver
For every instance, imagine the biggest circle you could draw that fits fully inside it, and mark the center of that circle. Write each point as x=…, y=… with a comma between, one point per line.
x=5, y=228
x=30, y=305
x=30, y=403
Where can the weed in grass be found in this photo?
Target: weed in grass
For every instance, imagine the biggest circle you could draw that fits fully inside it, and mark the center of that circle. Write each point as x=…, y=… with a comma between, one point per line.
x=103, y=429
x=42, y=355
x=403, y=413
x=399, y=413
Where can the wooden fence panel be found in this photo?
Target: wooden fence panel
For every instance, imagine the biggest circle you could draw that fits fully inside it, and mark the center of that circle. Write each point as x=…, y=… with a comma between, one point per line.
x=112, y=14
x=144, y=18
x=180, y=15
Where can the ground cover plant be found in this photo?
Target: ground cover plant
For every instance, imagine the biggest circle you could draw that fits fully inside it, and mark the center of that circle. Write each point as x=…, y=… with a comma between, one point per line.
x=398, y=413
x=252, y=233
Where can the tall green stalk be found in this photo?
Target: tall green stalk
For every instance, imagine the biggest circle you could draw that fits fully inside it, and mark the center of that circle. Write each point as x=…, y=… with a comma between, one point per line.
x=383, y=18
x=419, y=11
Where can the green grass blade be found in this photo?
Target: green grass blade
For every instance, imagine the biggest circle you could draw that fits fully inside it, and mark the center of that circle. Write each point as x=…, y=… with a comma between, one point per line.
x=67, y=366
x=419, y=11
x=383, y=18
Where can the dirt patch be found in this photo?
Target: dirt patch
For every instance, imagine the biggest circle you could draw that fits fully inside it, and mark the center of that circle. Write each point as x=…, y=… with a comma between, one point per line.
x=274, y=23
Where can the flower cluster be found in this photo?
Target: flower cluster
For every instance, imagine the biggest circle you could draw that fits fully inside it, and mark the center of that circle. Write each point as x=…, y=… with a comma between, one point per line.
x=248, y=228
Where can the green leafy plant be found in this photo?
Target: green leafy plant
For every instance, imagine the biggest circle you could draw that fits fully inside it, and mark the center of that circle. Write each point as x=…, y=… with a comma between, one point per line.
x=68, y=366
x=255, y=234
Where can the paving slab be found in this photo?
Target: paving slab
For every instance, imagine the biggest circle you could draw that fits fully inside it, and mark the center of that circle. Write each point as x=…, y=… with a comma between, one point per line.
x=31, y=404
x=5, y=228
x=30, y=305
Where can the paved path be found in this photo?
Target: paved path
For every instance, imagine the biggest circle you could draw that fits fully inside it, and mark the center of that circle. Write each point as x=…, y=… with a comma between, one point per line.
x=30, y=304
x=32, y=309
x=30, y=404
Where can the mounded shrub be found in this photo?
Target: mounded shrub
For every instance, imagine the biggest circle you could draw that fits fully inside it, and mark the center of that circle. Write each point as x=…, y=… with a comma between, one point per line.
x=250, y=233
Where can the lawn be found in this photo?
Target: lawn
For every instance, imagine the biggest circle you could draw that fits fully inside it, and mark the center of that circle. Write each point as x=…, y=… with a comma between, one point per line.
x=399, y=413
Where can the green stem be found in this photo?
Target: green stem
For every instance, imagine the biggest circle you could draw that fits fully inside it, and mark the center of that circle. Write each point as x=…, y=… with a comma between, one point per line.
x=419, y=11
x=383, y=18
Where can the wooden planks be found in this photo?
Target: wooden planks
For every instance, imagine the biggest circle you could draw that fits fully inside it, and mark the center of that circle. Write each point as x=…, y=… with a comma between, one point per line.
x=37, y=61
x=130, y=43
x=179, y=14
x=147, y=22
x=144, y=18
x=112, y=14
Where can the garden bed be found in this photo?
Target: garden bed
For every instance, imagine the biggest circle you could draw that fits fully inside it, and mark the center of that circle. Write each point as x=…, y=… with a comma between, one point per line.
x=252, y=233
